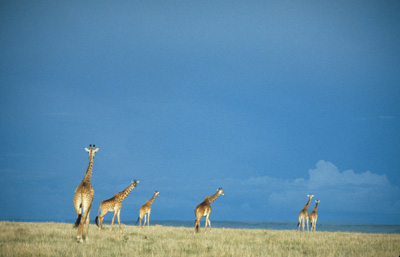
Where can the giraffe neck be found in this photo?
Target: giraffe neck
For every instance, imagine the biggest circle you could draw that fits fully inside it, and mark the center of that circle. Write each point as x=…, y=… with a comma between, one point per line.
x=88, y=175
x=122, y=195
x=150, y=202
x=316, y=207
x=307, y=204
x=213, y=197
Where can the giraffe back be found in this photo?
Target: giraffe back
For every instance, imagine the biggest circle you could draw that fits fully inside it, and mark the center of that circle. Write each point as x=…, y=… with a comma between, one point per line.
x=144, y=209
x=203, y=209
x=110, y=205
x=313, y=216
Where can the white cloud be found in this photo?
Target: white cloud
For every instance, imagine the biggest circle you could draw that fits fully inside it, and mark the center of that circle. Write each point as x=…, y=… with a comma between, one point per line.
x=339, y=192
x=327, y=174
x=350, y=191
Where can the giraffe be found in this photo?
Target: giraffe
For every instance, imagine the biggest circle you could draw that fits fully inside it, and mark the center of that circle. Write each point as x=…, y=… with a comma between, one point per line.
x=83, y=198
x=303, y=215
x=145, y=210
x=314, y=217
x=204, y=210
x=114, y=204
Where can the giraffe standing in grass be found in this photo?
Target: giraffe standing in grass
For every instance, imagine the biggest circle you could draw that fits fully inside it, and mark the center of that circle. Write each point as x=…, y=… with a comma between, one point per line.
x=145, y=210
x=204, y=210
x=314, y=217
x=114, y=204
x=83, y=198
x=303, y=215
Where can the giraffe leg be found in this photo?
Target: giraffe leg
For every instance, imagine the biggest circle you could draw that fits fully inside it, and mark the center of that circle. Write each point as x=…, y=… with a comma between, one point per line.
x=307, y=224
x=80, y=228
x=205, y=225
x=148, y=219
x=101, y=217
x=112, y=223
x=197, y=223
x=100, y=222
x=145, y=219
x=87, y=226
x=197, y=226
x=88, y=220
x=298, y=224
x=78, y=209
x=119, y=221
x=302, y=224
x=78, y=237
x=140, y=218
x=312, y=222
x=208, y=222
x=82, y=223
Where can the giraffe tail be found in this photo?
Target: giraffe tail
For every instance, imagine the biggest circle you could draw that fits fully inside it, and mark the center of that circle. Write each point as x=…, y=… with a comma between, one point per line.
x=197, y=226
x=298, y=224
x=137, y=220
x=97, y=217
x=78, y=221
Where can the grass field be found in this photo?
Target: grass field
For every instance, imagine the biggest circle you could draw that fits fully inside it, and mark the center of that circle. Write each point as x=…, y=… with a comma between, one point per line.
x=58, y=239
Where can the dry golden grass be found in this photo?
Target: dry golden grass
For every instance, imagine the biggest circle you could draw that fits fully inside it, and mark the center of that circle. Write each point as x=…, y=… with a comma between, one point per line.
x=58, y=239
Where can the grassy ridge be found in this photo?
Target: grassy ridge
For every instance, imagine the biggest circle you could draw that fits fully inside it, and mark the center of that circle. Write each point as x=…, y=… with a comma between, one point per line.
x=58, y=239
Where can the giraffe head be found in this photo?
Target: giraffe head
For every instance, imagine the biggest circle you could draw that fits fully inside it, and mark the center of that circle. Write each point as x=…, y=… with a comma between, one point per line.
x=310, y=196
x=317, y=201
x=135, y=182
x=92, y=151
x=220, y=191
x=156, y=193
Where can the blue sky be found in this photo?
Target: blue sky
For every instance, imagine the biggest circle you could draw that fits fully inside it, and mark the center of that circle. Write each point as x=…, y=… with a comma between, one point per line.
x=271, y=100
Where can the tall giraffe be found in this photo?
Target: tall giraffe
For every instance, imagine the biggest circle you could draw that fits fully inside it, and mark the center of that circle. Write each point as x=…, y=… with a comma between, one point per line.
x=204, y=210
x=114, y=204
x=145, y=210
x=314, y=217
x=83, y=198
x=303, y=215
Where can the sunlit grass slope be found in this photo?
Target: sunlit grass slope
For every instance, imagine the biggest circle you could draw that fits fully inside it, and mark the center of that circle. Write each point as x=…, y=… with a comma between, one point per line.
x=58, y=239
